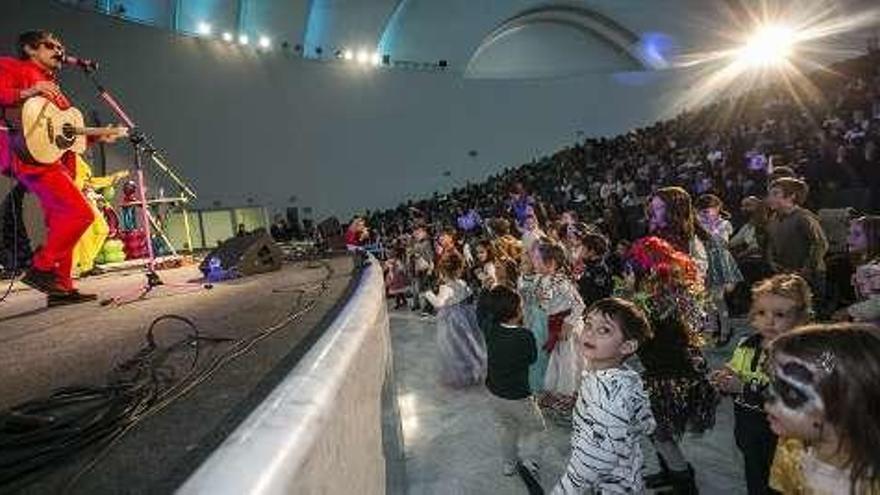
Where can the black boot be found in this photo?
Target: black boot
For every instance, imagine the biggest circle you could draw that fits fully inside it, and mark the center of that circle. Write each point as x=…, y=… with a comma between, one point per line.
x=659, y=479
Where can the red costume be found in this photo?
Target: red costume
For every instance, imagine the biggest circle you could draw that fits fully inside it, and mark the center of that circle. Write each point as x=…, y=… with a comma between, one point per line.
x=66, y=213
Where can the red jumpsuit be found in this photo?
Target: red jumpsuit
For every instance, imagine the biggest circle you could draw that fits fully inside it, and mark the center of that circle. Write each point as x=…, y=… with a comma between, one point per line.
x=65, y=210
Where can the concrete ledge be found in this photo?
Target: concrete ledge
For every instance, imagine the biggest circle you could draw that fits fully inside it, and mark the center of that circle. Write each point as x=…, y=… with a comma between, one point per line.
x=320, y=430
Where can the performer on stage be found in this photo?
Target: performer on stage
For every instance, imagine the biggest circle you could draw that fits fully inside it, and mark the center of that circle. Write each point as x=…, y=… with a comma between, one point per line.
x=66, y=212
x=92, y=240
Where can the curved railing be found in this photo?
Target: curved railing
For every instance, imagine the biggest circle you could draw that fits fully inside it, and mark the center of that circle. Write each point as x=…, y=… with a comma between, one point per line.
x=320, y=430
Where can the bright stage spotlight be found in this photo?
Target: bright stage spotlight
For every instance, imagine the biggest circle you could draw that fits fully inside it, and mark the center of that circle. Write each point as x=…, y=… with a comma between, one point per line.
x=770, y=45
x=265, y=42
x=348, y=55
x=363, y=57
x=227, y=36
x=243, y=39
x=204, y=28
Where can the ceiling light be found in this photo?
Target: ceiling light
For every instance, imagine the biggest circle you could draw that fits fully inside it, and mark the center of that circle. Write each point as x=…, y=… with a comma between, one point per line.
x=204, y=28
x=770, y=45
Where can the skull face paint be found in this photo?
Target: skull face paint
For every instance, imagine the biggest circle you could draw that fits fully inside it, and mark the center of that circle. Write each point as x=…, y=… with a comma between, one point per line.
x=794, y=405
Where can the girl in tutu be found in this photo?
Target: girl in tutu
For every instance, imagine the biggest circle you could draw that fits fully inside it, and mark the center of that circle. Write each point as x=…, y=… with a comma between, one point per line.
x=460, y=345
x=559, y=299
x=535, y=319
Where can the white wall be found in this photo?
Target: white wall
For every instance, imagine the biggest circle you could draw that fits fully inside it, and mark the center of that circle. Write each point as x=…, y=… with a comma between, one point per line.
x=320, y=430
x=244, y=125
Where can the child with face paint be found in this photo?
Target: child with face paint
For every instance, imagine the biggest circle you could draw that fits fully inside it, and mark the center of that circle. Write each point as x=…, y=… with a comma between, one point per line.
x=824, y=403
x=613, y=412
x=779, y=304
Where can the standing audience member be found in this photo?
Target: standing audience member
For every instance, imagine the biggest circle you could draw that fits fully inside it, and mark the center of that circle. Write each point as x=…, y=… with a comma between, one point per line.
x=824, y=404
x=422, y=261
x=485, y=271
x=713, y=218
x=535, y=319
x=558, y=298
x=595, y=281
x=613, y=412
x=796, y=241
x=667, y=284
x=511, y=349
x=460, y=345
x=779, y=304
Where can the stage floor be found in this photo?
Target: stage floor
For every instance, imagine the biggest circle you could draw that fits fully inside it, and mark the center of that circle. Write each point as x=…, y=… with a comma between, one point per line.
x=45, y=349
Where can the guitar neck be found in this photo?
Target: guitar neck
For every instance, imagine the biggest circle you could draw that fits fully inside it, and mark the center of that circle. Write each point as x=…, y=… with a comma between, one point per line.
x=94, y=131
x=101, y=131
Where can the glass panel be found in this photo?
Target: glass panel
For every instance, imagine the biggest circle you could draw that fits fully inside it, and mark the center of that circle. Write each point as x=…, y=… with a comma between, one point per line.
x=175, y=229
x=252, y=218
x=217, y=225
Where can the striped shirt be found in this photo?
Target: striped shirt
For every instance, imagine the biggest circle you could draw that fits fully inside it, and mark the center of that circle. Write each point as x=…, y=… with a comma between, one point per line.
x=611, y=416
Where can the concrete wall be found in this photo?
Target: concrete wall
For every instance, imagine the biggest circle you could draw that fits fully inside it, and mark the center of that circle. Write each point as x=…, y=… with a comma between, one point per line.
x=241, y=124
x=320, y=430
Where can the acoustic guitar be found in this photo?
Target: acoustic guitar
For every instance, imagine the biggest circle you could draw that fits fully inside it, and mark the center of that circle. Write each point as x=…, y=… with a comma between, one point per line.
x=47, y=132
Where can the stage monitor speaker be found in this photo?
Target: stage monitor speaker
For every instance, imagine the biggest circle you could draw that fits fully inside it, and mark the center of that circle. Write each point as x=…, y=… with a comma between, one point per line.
x=244, y=255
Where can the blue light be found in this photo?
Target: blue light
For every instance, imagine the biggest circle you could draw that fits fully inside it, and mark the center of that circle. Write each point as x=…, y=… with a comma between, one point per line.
x=658, y=49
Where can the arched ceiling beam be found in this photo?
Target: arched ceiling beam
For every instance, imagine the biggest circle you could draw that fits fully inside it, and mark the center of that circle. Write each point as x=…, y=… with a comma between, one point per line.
x=619, y=38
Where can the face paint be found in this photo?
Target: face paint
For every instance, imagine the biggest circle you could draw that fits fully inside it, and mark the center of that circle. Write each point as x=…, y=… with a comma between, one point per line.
x=794, y=404
x=793, y=382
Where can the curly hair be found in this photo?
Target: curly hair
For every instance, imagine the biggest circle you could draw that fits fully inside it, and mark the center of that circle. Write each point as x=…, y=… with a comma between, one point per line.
x=451, y=265
x=789, y=286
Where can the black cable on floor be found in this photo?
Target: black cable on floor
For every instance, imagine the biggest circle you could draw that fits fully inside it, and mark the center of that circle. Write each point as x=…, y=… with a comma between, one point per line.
x=40, y=434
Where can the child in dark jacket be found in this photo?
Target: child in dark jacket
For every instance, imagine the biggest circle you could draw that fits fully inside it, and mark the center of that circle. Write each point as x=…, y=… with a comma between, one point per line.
x=511, y=349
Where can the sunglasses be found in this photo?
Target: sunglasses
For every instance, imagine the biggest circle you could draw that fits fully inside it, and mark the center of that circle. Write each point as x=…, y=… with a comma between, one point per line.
x=58, y=47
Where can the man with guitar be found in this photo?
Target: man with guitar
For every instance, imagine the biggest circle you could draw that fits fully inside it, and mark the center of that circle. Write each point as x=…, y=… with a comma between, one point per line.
x=66, y=212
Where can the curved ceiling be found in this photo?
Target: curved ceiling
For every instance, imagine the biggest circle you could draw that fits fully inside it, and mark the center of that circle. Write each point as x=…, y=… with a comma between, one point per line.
x=487, y=38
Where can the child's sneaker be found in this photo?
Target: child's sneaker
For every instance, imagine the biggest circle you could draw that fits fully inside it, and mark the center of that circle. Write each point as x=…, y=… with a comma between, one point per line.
x=532, y=467
x=509, y=468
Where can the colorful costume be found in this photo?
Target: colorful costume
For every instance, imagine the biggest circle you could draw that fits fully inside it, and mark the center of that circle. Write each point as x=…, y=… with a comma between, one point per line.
x=751, y=429
x=461, y=347
x=66, y=212
x=535, y=319
x=86, y=250
x=668, y=287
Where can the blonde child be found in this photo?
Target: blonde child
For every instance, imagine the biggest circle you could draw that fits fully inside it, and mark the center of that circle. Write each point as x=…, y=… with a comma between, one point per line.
x=779, y=304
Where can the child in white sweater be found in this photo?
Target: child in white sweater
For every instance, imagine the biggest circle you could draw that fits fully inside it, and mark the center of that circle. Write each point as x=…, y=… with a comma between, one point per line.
x=612, y=412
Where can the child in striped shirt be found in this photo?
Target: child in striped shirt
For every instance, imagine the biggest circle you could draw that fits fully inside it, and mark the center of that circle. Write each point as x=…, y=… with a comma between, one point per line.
x=612, y=412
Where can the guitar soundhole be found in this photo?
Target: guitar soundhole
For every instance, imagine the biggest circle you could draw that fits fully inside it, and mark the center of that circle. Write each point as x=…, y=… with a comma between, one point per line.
x=66, y=138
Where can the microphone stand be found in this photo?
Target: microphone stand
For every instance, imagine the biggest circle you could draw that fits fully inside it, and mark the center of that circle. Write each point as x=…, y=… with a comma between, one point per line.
x=141, y=145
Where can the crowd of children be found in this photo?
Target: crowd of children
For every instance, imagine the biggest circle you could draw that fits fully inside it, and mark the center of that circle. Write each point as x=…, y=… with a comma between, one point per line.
x=539, y=327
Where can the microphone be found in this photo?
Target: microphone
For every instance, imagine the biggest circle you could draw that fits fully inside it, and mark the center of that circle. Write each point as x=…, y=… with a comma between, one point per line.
x=82, y=63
